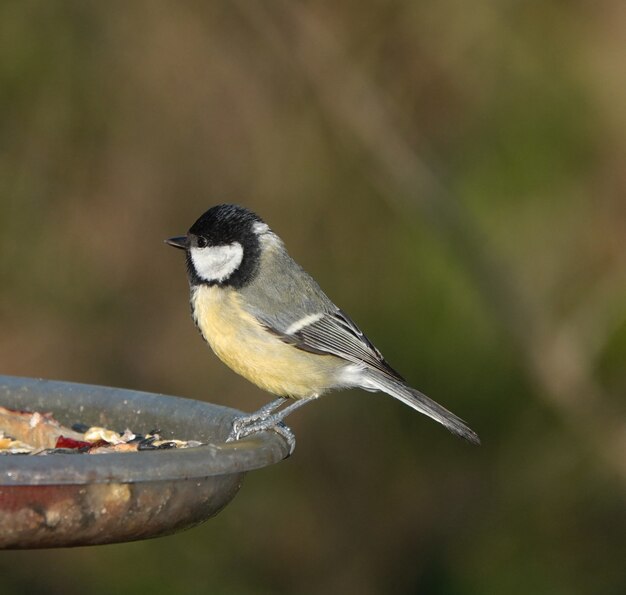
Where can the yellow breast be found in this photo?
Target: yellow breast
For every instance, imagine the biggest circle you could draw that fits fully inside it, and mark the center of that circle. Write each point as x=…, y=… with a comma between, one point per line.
x=249, y=349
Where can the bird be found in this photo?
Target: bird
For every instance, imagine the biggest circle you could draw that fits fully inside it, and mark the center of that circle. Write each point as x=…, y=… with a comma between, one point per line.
x=267, y=319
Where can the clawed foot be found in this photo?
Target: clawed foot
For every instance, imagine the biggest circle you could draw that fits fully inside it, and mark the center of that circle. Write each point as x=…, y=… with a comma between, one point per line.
x=247, y=425
x=255, y=422
x=266, y=419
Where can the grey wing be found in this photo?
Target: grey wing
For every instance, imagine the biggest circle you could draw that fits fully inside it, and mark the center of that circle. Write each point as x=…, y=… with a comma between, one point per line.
x=335, y=333
x=331, y=333
x=289, y=303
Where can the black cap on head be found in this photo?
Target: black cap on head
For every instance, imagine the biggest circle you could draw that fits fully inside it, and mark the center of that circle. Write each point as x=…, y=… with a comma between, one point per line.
x=224, y=224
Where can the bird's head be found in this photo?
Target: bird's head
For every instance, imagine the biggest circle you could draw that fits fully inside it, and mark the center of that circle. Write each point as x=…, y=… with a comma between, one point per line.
x=223, y=246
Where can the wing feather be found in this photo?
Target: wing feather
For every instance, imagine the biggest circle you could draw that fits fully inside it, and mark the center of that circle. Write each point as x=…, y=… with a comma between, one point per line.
x=335, y=333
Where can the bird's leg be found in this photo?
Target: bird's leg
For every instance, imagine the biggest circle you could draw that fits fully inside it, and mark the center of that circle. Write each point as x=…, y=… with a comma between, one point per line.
x=266, y=410
x=266, y=419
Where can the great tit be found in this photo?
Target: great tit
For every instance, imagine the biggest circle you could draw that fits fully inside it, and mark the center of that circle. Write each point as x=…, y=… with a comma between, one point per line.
x=269, y=321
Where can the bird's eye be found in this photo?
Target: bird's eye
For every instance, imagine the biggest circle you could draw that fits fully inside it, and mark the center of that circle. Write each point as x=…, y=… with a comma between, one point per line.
x=201, y=242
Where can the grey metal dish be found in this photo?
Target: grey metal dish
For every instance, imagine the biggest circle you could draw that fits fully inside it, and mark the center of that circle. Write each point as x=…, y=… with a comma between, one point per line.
x=66, y=500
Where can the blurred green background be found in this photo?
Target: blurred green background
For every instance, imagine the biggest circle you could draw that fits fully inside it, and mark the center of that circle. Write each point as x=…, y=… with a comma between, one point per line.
x=451, y=173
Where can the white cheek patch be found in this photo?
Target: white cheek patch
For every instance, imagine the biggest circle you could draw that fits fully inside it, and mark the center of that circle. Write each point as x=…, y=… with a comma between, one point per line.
x=216, y=263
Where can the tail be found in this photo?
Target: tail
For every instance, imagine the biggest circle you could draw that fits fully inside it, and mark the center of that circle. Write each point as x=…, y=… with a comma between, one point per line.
x=420, y=402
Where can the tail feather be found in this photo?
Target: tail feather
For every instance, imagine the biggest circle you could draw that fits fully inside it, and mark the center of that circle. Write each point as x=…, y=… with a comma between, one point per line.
x=420, y=402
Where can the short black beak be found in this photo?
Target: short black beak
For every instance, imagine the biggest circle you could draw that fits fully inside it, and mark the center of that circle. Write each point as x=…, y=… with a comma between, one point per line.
x=178, y=242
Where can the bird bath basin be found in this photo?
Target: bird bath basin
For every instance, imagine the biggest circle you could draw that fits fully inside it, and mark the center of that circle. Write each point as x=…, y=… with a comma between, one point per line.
x=62, y=500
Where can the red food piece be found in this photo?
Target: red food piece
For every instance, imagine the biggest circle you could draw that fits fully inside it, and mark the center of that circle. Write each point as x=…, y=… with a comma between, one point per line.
x=63, y=442
x=97, y=444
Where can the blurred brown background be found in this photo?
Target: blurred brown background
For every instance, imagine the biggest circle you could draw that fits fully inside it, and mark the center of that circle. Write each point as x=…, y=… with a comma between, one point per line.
x=452, y=174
